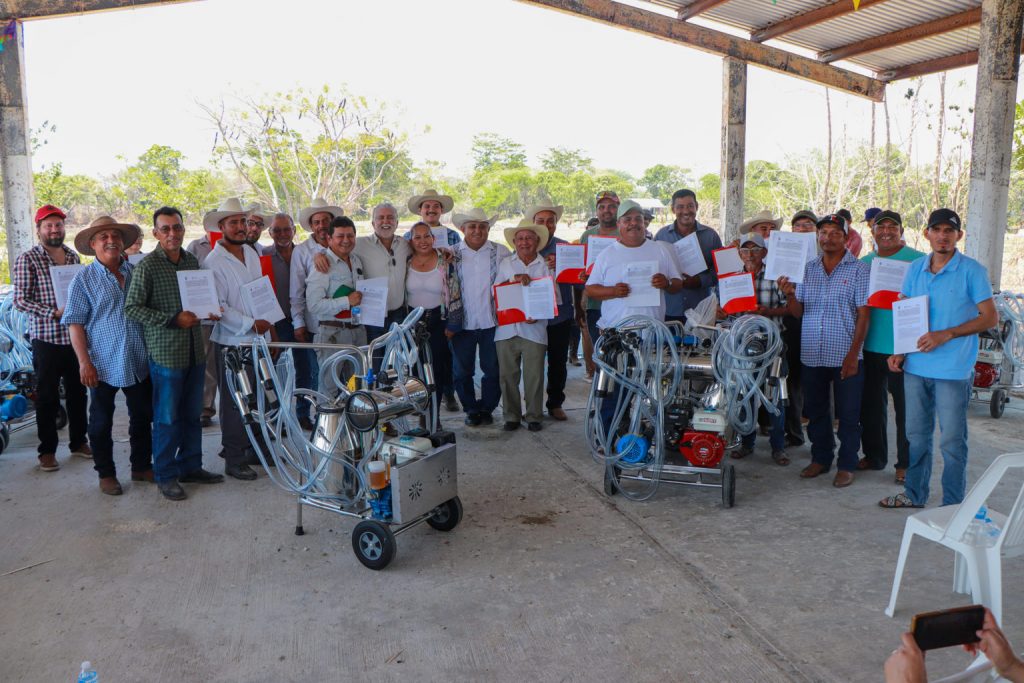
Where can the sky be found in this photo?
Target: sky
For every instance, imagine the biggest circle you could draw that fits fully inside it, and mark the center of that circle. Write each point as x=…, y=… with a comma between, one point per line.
x=115, y=83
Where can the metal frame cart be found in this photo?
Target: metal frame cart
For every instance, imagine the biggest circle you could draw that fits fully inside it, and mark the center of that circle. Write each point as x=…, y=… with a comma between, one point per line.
x=998, y=369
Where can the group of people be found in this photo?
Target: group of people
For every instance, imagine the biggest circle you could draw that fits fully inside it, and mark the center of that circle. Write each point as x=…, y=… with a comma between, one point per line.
x=123, y=326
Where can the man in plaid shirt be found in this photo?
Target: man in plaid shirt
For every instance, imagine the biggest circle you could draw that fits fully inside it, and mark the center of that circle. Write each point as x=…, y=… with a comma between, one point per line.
x=52, y=356
x=833, y=304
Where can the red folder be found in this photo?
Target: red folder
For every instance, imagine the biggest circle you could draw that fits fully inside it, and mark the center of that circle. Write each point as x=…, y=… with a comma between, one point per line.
x=717, y=254
x=573, y=276
x=267, y=267
x=508, y=316
x=214, y=238
x=743, y=304
x=883, y=298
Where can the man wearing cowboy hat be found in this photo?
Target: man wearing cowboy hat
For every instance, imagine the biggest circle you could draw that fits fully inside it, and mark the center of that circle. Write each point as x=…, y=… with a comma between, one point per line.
x=53, y=359
x=521, y=346
x=832, y=303
x=559, y=327
x=761, y=223
x=430, y=206
x=110, y=349
x=255, y=223
x=385, y=255
x=234, y=264
x=201, y=248
x=697, y=286
x=801, y=222
x=476, y=266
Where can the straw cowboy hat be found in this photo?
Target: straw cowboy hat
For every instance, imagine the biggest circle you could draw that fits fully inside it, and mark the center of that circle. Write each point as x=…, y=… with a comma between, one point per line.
x=527, y=224
x=532, y=212
x=256, y=209
x=760, y=217
x=230, y=207
x=473, y=214
x=129, y=234
x=318, y=205
x=447, y=203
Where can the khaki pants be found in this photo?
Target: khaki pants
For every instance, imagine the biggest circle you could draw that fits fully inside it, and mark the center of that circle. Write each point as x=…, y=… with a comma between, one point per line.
x=521, y=358
x=211, y=381
x=338, y=335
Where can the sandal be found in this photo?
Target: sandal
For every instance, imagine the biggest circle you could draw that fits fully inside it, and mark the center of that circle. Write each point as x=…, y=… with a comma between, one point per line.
x=900, y=500
x=901, y=477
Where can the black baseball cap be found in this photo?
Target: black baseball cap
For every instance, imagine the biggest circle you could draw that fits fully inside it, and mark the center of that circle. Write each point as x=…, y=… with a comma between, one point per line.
x=836, y=218
x=803, y=214
x=888, y=215
x=948, y=216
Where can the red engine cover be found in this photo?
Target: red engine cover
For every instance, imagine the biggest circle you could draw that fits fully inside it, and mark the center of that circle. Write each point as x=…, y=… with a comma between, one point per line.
x=985, y=375
x=702, y=449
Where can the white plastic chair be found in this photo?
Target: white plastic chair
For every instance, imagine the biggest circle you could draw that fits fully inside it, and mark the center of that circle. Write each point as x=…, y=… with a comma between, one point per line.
x=978, y=566
x=978, y=666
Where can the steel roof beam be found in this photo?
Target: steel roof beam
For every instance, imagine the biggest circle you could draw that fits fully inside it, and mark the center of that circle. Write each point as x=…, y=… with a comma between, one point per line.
x=902, y=36
x=45, y=9
x=816, y=16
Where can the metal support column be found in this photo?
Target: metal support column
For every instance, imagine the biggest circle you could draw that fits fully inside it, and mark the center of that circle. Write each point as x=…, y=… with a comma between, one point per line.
x=734, y=142
x=15, y=150
x=995, y=100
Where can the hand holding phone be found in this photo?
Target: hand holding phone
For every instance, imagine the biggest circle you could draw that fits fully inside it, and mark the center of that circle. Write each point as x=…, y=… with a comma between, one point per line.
x=945, y=628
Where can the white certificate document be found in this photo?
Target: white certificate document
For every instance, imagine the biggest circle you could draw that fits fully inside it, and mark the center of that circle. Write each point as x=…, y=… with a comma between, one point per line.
x=909, y=323
x=595, y=245
x=261, y=301
x=61, y=277
x=788, y=253
x=198, y=293
x=539, y=299
x=691, y=258
x=641, y=291
x=736, y=293
x=569, y=257
x=887, y=275
x=373, y=307
x=727, y=261
x=440, y=237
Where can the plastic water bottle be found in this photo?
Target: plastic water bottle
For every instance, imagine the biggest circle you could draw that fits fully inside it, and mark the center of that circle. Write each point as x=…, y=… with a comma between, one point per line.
x=982, y=530
x=355, y=316
x=88, y=674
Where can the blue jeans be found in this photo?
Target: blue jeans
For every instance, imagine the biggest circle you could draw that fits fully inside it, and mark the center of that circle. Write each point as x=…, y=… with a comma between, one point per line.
x=846, y=395
x=304, y=378
x=948, y=399
x=777, y=435
x=177, y=407
x=464, y=352
x=593, y=315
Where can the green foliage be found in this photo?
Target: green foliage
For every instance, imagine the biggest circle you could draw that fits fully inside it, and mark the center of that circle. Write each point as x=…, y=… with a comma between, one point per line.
x=662, y=180
x=73, y=193
x=158, y=178
x=490, y=150
x=566, y=161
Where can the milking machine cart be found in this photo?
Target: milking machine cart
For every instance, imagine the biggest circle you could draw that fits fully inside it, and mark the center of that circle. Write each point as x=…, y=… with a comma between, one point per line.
x=998, y=369
x=375, y=454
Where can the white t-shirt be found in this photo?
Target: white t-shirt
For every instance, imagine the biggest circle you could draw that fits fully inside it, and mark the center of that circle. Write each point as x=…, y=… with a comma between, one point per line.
x=610, y=269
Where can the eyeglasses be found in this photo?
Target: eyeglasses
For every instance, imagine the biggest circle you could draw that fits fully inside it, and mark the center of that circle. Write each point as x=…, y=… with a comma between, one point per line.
x=752, y=250
x=254, y=224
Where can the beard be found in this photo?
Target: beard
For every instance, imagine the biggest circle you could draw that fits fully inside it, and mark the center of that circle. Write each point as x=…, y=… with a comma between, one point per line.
x=236, y=242
x=54, y=241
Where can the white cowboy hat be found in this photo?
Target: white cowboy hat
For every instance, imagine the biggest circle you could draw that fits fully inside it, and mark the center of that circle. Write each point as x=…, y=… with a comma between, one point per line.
x=447, y=203
x=256, y=209
x=532, y=212
x=230, y=207
x=527, y=224
x=129, y=234
x=473, y=215
x=760, y=217
x=318, y=205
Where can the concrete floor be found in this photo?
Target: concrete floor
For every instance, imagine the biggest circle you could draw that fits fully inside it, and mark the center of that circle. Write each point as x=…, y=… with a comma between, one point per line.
x=546, y=579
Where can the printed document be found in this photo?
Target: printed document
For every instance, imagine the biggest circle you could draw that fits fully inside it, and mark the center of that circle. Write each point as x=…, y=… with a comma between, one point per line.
x=641, y=291
x=198, y=293
x=373, y=308
x=788, y=253
x=691, y=258
x=261, y=301
x=909, y=323
x=61, y=276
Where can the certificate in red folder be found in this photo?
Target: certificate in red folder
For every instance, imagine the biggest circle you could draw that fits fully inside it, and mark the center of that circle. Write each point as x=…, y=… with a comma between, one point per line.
x=736, y=293
x=886, y=281
x=516, y=304
x=267, y=268
x=570, y=260
x=727, y=261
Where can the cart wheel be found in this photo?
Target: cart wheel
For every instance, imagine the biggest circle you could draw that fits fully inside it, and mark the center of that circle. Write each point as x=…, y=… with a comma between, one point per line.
x=62, y=416
x=998, y=403
x=728, y=485
x=447, y=515
x=611, y=480
x=374, y=544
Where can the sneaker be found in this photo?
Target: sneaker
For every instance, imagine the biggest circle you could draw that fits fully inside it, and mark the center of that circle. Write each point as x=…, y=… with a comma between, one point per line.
x=82, y=451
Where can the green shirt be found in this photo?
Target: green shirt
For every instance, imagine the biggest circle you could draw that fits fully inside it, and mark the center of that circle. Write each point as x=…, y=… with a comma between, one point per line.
x=879, y=339
x=596, y=230
x=154, y=300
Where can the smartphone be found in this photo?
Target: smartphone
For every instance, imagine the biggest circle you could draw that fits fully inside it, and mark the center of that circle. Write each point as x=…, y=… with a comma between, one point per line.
x=948, y=627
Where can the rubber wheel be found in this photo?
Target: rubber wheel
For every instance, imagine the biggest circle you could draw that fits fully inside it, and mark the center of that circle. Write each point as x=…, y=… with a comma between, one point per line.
x=611, y=480
x=728, y=485
x=373, y=544
x=998, y=403
x=62, y=416
x=447, y=515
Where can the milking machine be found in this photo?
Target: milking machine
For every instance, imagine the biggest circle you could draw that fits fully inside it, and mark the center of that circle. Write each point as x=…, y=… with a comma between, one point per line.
x=670, y=401
x=349, y=465
x=998, y=369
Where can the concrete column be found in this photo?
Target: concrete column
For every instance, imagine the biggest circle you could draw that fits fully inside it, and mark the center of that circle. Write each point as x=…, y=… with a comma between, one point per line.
x=15, y=150
x=734, y=143
x=994, y=105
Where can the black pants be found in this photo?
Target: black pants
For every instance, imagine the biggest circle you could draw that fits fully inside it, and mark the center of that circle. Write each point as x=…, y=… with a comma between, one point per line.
x=795, y=409
x=559, y=336
x=395, y=316
x=574, y=341
x=53, y=363
x=235, y=447
x=874, y=412
x=139, y=400
x=440, y=351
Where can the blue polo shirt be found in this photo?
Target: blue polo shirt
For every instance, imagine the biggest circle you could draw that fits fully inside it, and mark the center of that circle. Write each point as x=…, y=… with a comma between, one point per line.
x=953, y=297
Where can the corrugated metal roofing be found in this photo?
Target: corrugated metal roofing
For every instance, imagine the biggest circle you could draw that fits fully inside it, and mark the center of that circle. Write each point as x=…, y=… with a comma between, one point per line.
x=865, y=24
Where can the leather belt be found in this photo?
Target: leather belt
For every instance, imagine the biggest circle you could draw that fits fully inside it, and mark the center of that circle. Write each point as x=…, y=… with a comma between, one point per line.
x=338, y=323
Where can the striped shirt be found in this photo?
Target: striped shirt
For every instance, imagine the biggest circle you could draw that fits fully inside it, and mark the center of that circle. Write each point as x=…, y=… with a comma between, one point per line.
x=33, y=293
x=116, y=348
x=830, y=310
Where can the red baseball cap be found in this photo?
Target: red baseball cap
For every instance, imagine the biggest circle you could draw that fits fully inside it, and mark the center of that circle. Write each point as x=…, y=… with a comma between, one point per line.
x=48, y=210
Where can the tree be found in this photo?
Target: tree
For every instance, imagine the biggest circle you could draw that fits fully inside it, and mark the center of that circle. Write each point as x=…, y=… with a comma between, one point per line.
x=661, y=180
x=158, y=178
x=566, y=161
x=490, y=150
x=78, y=195
x=289, y=148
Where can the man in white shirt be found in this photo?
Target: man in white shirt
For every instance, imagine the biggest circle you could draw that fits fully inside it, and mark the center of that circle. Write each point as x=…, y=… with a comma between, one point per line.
x=255, y=223
x=234, y=264
x=331, y=295
x=201, y=248
x=385, y=255
x=521, y=346
x=476, y=265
